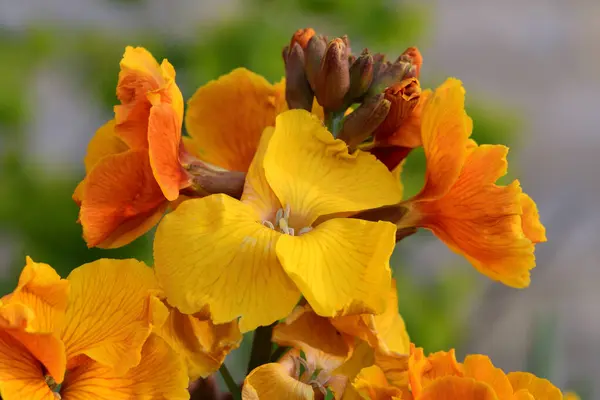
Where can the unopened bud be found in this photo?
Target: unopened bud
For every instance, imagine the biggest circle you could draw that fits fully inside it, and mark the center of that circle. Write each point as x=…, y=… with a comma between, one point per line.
x=361, y=76
x=359, y=125
x=206, y=179
x=313, y=55
x=333, y=79
x=392, y=74
x=403, y=97
x=298, y=93
x=412, y=55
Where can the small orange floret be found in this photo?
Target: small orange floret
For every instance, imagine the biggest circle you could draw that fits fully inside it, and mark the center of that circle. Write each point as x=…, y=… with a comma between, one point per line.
x=302, y=37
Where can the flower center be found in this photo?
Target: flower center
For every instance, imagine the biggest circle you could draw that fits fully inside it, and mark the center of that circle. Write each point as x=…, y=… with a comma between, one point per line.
x=282, y=223
x=55, y=387
x=313, y=376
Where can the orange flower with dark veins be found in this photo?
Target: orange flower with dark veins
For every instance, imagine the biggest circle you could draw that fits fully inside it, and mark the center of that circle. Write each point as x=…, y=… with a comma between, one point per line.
x=132, y=164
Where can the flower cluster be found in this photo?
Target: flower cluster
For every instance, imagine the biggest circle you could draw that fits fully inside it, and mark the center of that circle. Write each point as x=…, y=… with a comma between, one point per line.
x=277, y=214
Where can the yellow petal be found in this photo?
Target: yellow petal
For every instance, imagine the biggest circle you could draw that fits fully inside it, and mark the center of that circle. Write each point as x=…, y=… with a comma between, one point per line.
x=339, y=262
x=522, y=395
x=160, y=375
x=226, y=117
x=306, y=331
x=482, y=220
x=214, y=252
x=257, y=192
x=109, y=315
x=371, y=384
x=445, y=129
x=454, y=387
x=201, y=343
x=42, y=291
x=541, y=389
x=480, y=368
x=532, y=227
x=313, y=173
x=273, y=381
x=362, y=356
x=21, y=374
x=385, y=332
x=571, y=396
x=104, y=143
x=394, y=366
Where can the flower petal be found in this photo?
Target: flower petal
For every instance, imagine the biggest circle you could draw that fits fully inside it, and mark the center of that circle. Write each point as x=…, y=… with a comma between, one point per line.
x=21, y=374
x=339, y=262
x=445, y=129
x=306, y=331
x=454, y=387
x=120, y=192
x=371, y=384
x=164, y=136
x=273, y=381
x=481, y=220
x=532, y=227
x=140, y=76
x=43, y=292
x=226, y=117
x=214, y=252
x=102, y=144
x=480, y=368
x=160, y=375
x=313, y=173
x=538, y=387
x=201, y=343
x=109, y=315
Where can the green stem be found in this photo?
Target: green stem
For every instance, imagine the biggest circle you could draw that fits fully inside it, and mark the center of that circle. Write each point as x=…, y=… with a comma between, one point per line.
x=230, y=382
x=261, y=347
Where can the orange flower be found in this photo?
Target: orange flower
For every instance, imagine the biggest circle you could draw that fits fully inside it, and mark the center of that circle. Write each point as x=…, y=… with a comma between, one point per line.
x=495, y=227
x=132, y=164
x=89, y=333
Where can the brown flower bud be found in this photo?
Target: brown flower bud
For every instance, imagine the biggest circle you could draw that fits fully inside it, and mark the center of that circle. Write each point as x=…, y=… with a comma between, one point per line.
x=389, y=75
x=298, y=93
x=413, y=55
x=302, y=37
x=361, y=76
x=402, y=125
x=313, y=54
x=361, y=123
x=333, y=79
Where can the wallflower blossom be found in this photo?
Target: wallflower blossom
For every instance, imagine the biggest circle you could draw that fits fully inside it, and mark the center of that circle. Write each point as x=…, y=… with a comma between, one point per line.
x=87, y=335
x=132, y=164
x=253, y=258
x=495, y=227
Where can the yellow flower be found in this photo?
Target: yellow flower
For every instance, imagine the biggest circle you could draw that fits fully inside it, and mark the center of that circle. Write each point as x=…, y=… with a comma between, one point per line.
x=495, y=227
x=90, y=333
x=253, y=258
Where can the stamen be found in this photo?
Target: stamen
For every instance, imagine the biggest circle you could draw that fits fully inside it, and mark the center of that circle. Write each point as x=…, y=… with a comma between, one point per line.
x=286, y=213
x=283, y=226
x=304, y=230
x=268, y=224
x=279, y=214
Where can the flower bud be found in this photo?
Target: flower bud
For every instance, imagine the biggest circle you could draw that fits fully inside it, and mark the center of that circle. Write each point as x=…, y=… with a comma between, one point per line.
x=404, y=97
x=389, y=75
x=302, y=37
x=413, y=55
x=298, y=93
x=361, y=76
x=361, y=123
x=333, y=79
x=313, y=54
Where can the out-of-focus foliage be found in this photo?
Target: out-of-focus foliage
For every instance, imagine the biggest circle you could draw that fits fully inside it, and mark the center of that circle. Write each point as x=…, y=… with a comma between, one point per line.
x=37, y=215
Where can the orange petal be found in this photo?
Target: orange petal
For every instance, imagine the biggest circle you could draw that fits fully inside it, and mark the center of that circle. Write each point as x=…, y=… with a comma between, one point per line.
x=422, y=371
x=371, y=384
x=482, y=221
x=201, y=343
x=481, y=369
x=307, y=331
x=532, y=227
x=273, y=381
x=120, y=192
x=540, y=389
x=453, y=388
x=395, y=367
x=160, y=375
x=21, y=374
x=445, y=129
x=140, y=76
x=164, y=136
x=226, y=117
x=104, y=143
x=110, y=314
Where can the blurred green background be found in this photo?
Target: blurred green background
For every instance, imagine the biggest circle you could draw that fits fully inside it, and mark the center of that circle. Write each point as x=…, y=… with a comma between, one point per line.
x=38, y=217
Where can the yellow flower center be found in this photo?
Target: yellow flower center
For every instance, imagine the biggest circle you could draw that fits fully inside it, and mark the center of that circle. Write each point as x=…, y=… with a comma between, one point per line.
x=282, y=223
